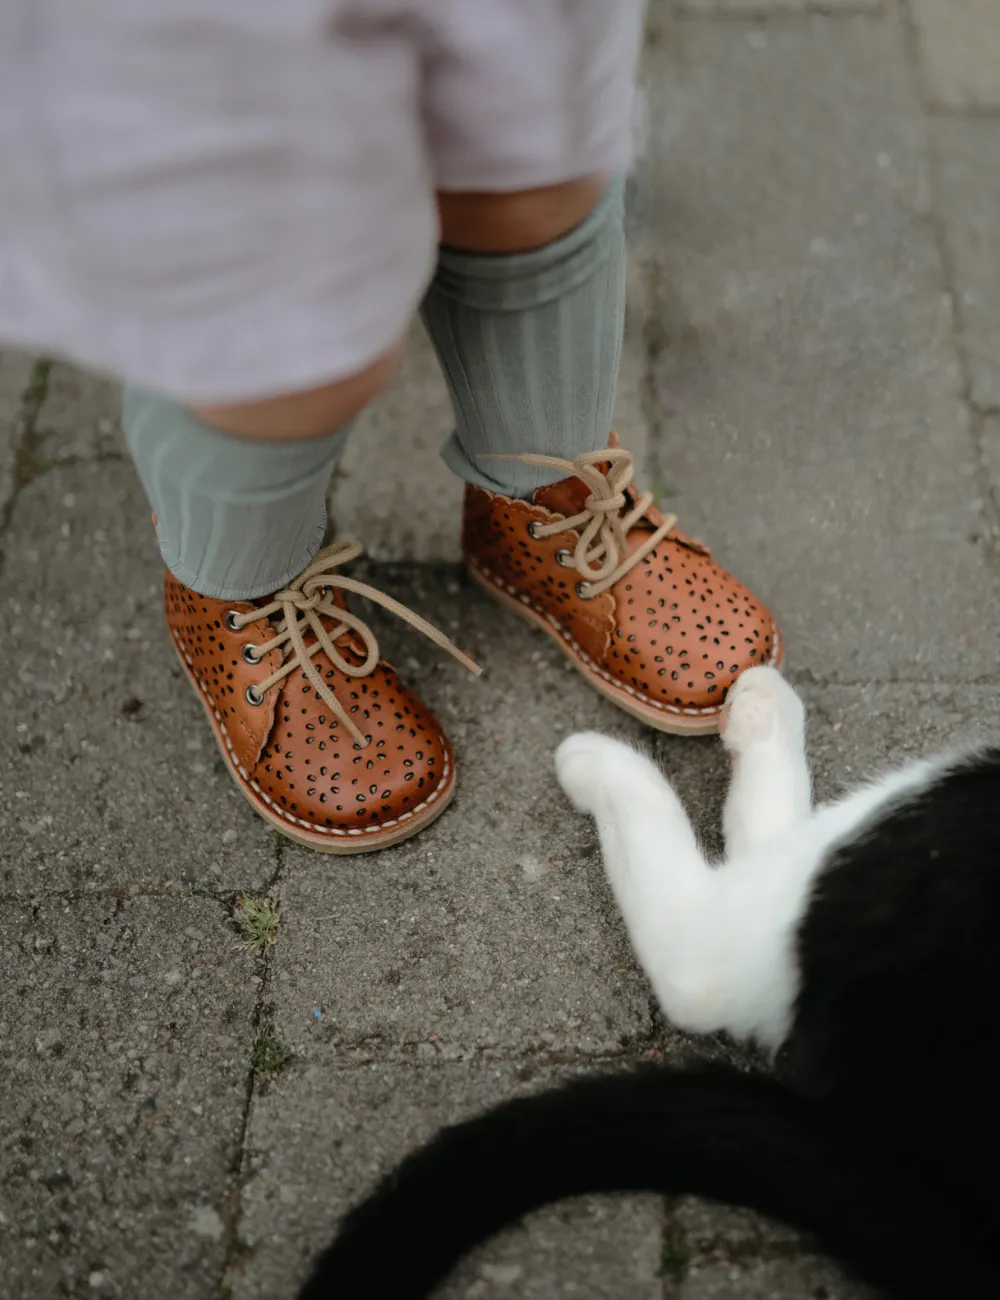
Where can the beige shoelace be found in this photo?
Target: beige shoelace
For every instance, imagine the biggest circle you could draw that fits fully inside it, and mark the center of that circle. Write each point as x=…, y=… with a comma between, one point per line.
x=303, y=607
x=601, y=555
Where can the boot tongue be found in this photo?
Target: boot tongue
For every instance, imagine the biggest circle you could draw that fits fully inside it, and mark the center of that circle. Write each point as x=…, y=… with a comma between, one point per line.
x=567, y=497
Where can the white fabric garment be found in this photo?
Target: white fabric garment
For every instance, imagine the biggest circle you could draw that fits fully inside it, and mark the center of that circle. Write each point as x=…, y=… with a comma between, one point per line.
x=227, y=199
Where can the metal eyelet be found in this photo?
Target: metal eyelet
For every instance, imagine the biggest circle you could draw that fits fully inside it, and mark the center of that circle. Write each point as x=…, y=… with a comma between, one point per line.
x=580, y=590
x=532, y=526
x=230, y=616
x=254, y=695
x=250, y=654
x=564, y=557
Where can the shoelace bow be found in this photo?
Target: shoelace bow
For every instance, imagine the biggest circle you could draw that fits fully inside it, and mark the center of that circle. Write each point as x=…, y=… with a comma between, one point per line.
x=304, y=606
x=601, y=555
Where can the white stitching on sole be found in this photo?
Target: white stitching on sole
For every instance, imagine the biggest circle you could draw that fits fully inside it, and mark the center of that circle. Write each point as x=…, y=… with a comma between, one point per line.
x=311, y=826
x=595, y=668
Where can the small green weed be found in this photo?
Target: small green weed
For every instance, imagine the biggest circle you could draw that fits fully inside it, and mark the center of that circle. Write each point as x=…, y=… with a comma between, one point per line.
x=39, y=465
x=236, y=1248
x=675, y=1254
x=268, y=1052
x=257, y=921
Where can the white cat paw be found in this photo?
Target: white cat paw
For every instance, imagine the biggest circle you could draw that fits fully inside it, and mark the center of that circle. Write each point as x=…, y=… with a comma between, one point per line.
x=761, y=707
x=582, y=763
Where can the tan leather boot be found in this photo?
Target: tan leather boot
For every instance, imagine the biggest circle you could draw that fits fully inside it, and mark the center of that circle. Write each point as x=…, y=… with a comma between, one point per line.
x=317, y=731
x=640, y=609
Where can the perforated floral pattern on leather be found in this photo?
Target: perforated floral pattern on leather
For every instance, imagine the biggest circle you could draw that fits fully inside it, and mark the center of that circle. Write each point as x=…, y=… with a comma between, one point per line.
x=496, y=540
x=311, y=767
x=214, y=657
x=678, y=628
x=290, y=752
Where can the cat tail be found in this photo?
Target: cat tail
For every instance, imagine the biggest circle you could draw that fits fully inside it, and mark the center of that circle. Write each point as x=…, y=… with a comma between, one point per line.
x=710, y=1130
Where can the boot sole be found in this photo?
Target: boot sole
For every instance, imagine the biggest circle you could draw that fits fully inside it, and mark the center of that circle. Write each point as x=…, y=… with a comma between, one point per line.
x=691, y=722
x=348, y=844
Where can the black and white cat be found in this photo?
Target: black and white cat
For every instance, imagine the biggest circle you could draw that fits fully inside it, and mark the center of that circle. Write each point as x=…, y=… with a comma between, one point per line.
x=857, y=943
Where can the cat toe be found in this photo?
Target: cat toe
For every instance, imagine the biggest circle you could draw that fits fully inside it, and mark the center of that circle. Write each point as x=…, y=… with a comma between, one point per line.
x=580, y=761
x=761, y=707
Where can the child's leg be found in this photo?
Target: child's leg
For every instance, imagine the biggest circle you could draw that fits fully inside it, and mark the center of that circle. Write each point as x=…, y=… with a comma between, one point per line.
x=241, y=512
x=530, y=340
x=526, y=311
x=307, y=716
x=530, y=132
x=239, y=215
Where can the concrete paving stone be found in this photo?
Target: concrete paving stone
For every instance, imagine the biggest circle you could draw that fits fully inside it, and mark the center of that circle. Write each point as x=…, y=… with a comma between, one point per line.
x=968, y=200
x=320, y=1138
x=810, y=419
x=91, y=796
x=493, y=930
x=960, y=45
x=804, y=1278
x=80, y=417
x=122, y=1090
x=855, y=733
x=394, y=493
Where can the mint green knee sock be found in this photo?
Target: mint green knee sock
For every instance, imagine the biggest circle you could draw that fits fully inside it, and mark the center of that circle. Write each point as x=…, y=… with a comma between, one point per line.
x=236, y=519
x=530, y=345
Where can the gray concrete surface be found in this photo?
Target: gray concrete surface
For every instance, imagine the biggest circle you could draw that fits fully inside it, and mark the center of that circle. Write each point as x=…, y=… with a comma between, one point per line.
x=967, y=157
x=122, y=1093
x=812, y=382
x=960, y=45
x=106, y=781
